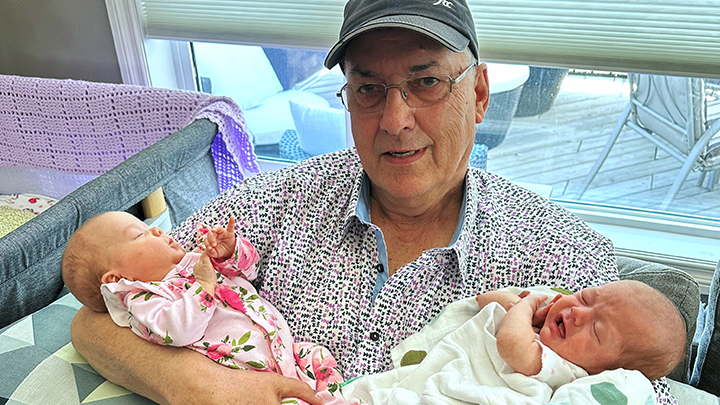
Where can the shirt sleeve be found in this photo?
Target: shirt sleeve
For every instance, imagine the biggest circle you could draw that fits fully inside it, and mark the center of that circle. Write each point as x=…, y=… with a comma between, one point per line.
x=168, y=314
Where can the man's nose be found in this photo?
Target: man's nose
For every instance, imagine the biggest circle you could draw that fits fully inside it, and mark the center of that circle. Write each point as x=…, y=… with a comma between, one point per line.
x=396, y=114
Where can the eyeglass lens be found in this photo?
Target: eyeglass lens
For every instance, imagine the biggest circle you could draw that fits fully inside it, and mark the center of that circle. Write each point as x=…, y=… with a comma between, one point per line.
x=417, y=92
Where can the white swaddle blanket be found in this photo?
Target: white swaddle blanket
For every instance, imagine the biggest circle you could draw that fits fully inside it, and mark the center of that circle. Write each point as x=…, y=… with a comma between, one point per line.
x=462, y=366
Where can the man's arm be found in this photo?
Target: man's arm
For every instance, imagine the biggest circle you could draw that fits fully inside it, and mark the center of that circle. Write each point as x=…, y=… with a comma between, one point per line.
x=505, y=298
x=173, y=375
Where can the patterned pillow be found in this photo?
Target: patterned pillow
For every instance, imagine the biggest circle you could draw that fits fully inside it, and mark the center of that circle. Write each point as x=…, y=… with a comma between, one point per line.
x=11, y=218
x=40, y=365
x=16, y=209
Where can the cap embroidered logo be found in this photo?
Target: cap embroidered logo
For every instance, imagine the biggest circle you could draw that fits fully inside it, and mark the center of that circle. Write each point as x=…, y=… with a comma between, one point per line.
x=445, y=3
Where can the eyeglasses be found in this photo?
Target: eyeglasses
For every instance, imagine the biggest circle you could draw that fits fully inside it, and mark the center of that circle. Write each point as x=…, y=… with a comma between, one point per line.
x=417, y=92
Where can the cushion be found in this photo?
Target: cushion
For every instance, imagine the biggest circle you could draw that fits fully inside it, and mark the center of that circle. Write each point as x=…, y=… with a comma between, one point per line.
x=290, y=147
x=680, y=288
x=11, y=218
x=32, y=203
x=325, y=83
x=40, y=365
x=319, y=129
x=712, y=152
x=688, y=395
x=272, y=117
x=706, y=371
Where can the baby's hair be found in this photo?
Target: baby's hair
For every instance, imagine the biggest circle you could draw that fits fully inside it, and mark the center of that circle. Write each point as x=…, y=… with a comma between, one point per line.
x=658, y=356
x=79, y=264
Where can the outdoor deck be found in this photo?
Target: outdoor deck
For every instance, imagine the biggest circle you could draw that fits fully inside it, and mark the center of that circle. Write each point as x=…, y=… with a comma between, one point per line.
x=558, y=148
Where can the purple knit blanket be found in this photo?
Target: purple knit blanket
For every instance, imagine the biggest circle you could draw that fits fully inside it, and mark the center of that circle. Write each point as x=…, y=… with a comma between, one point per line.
x=83, y=127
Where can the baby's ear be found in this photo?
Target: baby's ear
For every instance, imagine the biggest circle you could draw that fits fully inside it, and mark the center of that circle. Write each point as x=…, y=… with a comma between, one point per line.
x=110, y=277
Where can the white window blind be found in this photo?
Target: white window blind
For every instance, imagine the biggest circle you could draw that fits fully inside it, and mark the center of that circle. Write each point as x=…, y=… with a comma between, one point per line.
x=657, y=36
x=306, y=23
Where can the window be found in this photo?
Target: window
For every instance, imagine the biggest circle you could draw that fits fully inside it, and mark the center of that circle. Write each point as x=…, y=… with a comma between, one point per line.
x=288, y=97
x=553, y=107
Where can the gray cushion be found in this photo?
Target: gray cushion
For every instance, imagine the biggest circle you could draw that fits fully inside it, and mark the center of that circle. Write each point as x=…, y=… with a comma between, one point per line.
x=688, y=395
x=681, y=288
x=706, y=372
x=30, y=255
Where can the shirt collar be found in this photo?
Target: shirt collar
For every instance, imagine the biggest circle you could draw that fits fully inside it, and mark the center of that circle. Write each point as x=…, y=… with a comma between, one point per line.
x=360, y=199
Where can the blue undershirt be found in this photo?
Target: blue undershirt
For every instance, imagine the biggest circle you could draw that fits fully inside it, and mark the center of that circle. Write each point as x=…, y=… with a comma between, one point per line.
x=363, y=213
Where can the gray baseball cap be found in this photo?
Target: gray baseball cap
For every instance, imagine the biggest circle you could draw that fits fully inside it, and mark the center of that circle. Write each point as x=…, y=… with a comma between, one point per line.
x=449, y=22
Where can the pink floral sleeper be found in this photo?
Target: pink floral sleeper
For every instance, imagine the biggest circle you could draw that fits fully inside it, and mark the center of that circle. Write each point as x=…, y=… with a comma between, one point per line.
x=235, y=327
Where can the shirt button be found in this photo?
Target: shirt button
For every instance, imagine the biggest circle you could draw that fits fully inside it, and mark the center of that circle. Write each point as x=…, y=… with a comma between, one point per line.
x=379, y=267
x=374, y=336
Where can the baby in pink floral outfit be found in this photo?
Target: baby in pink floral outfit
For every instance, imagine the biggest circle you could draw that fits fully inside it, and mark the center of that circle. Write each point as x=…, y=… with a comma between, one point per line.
x=202, y=300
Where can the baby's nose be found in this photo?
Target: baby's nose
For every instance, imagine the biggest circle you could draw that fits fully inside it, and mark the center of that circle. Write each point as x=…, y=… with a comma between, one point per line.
x=580, y=315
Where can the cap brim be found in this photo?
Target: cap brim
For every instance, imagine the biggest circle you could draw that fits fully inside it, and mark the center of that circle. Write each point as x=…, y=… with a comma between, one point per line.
x=440, y=32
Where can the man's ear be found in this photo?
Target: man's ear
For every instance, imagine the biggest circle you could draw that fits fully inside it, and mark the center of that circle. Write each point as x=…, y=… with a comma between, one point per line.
x=111, y=276
x=482, y=92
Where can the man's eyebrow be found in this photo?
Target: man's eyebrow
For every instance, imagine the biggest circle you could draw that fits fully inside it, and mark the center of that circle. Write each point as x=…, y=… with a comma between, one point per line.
x=423, y=67
x=413, y=69
x=362, y=73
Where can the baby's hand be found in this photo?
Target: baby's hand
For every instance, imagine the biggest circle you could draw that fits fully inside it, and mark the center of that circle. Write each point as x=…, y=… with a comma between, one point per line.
x=541, y=313
x=205, y=273
x=219, y=242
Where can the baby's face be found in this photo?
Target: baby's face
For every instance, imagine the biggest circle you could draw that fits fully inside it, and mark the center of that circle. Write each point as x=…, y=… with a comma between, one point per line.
x=137, y=251
x=590, y=328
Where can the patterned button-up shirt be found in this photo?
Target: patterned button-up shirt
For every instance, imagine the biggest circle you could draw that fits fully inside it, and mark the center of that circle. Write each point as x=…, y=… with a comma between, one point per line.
x=318, y=258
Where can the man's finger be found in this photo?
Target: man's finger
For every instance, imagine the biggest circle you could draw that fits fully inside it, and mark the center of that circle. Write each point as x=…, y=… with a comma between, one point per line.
x=291, y=388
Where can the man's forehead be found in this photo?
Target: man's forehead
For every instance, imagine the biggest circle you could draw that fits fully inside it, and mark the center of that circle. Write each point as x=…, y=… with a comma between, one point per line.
x=398, y=39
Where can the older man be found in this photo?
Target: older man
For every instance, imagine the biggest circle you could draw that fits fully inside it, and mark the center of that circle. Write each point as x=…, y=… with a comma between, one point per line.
x=362, y=247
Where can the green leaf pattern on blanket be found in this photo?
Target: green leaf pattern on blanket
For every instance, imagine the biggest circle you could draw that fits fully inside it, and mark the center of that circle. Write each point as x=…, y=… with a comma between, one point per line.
x=563, y=291
x=413, y=357
x=607, y=394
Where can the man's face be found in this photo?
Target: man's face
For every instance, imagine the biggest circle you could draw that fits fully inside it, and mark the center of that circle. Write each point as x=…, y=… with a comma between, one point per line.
x=414, y=152
x=592, y=327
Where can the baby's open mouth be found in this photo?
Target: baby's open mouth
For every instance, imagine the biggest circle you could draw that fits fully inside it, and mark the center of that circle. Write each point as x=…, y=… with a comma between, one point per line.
x=560, y=326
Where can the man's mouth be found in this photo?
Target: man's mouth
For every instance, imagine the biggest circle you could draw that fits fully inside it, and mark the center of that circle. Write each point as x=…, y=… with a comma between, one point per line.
x=403, y=154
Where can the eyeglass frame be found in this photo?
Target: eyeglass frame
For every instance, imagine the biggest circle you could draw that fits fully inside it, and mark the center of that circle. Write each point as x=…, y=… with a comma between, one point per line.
x=403, y=92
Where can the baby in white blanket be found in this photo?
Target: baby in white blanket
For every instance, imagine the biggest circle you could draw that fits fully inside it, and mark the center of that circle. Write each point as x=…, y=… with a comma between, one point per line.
x=602, y=342
x=624, y=324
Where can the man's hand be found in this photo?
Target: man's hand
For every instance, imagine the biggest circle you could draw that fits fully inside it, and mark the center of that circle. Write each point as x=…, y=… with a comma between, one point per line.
x=244, y=387
x=504, y=298
x=205, y=273
x=220, y=242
